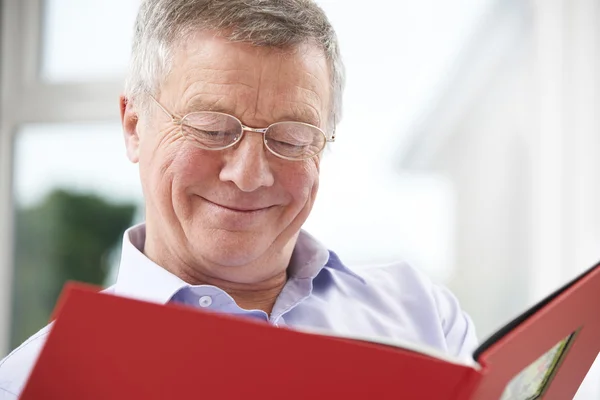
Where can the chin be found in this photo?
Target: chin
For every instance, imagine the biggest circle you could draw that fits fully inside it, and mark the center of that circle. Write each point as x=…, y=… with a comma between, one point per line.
x=233, y=249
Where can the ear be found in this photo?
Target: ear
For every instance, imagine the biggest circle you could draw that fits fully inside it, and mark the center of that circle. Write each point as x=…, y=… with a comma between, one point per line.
x=129, y=120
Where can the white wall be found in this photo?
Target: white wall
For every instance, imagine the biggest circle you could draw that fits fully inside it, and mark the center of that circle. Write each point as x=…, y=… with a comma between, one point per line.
x=522, y=151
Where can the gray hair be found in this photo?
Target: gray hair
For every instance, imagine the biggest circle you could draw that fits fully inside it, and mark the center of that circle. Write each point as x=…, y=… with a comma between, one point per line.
x=162, y=24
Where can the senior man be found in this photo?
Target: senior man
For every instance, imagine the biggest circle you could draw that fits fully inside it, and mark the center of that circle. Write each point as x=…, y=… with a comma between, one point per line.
x=228, y=107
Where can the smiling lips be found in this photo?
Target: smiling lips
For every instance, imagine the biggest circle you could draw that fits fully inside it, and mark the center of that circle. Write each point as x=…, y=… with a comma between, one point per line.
x=239, y=209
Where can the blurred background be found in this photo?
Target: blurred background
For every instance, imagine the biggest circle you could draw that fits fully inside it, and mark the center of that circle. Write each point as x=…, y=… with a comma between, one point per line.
x=468, y=147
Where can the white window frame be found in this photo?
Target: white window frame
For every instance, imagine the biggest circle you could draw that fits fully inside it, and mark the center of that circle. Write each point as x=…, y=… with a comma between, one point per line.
x=25, y=99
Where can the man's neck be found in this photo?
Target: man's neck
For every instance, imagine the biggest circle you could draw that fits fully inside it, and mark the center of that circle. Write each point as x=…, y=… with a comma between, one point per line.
x=259, y=295
x=262, y=298
x=256, y=296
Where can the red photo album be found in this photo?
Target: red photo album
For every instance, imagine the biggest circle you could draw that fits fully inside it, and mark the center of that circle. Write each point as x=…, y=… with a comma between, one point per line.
x=107, y=347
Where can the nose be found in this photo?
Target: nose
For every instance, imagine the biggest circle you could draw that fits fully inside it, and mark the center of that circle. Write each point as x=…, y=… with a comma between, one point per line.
x=246, y=164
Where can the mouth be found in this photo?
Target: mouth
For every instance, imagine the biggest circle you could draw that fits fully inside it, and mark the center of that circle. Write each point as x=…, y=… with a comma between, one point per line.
x=238, y=209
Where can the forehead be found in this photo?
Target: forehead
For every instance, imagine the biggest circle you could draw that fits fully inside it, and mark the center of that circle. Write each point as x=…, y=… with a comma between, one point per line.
x=251, y=82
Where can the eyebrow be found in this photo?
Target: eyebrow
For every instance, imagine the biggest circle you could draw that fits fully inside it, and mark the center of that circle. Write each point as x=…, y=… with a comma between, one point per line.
x=201, y=104
x=305, y=115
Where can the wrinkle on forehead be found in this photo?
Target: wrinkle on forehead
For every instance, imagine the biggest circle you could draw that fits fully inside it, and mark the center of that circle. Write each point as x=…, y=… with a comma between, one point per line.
x=256, y=85
x=206, y=102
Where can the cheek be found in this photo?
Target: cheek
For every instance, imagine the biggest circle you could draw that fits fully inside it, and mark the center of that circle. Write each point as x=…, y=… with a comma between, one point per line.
x=157, y=151
x=169, y=168
x=193, y=170
x=301, y=182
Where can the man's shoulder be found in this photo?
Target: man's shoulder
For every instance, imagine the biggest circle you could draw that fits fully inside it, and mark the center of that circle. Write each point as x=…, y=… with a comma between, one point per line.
x=408, y=294
x=402, y=279
x=16, y=367
x=397, y=277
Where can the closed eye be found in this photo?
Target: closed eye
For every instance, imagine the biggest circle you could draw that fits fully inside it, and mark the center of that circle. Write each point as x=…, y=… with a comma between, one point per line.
x=288, y=144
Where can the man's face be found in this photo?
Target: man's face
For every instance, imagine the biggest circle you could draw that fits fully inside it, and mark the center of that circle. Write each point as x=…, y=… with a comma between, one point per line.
x=242, y=205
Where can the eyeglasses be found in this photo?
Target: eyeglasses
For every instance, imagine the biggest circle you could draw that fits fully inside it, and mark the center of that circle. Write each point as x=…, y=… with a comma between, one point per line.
x=211, y=130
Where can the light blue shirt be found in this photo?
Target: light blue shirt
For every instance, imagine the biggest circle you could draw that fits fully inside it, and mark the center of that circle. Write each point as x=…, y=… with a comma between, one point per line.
x=391, y=301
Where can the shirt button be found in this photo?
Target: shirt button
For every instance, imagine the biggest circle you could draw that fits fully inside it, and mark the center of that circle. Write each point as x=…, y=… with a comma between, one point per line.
x=205, y=301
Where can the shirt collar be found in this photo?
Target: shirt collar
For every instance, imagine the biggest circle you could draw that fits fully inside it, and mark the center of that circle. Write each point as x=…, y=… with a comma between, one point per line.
x=310, y=256
x=141, y=278
x=334, y=262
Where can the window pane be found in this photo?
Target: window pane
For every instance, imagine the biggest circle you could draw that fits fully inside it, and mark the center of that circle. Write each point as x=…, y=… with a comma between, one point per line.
x=75, y=194
x=86, y=157
x=86, y=39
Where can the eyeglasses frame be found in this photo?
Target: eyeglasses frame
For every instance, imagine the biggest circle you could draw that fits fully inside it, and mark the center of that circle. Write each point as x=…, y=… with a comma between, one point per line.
x=245, y=128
